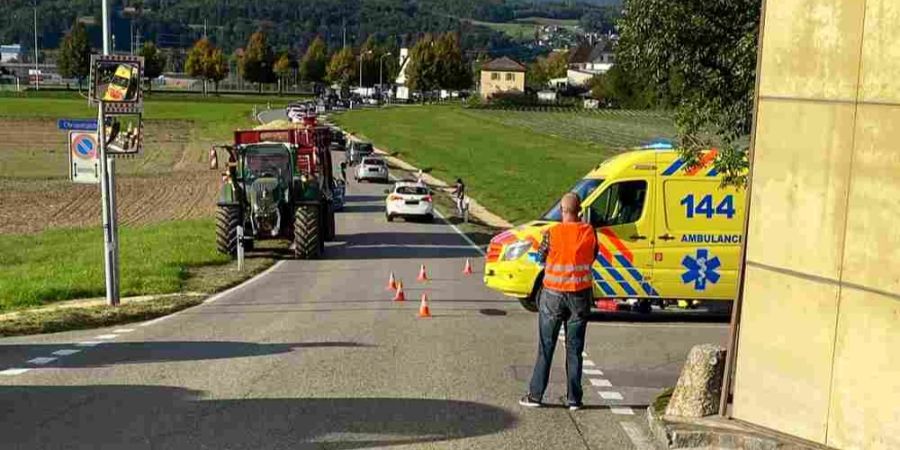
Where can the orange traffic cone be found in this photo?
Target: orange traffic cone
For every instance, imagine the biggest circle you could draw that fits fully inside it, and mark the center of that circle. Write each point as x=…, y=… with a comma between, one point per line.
x=399, y=296
x=392, y=284
x=422, y=275
x=424, y=311
x=468, y=269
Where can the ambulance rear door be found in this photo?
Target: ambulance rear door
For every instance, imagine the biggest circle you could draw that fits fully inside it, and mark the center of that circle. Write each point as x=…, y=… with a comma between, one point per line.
x=697, y=234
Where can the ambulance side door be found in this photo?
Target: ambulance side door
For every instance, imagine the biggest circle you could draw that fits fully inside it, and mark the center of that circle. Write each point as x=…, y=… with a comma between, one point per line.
x=697, y=238
x=623, y=216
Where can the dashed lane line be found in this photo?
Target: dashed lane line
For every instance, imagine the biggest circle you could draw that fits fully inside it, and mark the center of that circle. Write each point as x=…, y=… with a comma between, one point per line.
x=588, y=363
x=621, y=410
x=123, y=330
x=65, y=352
x=14, y=371
x=88, y=344
x=600, y=382
x=592, y=372
x=41, y=360
x=610, y=395
x=106, y=336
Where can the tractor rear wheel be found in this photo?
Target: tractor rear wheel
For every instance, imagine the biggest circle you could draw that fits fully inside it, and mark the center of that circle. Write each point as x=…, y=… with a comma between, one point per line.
x=307, y=235
x=330, y=231
x=227, y=220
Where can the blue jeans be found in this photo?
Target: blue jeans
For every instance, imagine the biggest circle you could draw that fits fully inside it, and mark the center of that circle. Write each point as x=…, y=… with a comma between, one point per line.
x=556, y=308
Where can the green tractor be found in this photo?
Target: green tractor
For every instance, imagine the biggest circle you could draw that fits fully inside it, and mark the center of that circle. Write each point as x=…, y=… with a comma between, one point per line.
x=278, y=184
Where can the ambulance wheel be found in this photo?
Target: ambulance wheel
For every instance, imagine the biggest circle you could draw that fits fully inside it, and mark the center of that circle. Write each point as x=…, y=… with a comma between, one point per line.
x=644, y=306
x=530, y=303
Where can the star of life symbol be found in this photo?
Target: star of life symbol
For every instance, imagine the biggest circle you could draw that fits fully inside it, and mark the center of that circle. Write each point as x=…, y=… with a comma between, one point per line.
x=700, y=269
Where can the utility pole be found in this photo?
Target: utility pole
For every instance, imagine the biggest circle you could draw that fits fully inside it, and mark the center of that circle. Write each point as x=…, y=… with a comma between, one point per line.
x=381, y=72
x=108, y=191
x=37, y=73
x=344, y=31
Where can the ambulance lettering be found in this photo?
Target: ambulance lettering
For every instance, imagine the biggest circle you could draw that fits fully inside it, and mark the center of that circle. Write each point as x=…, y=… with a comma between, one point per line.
x=699, y=238
x=700, y=269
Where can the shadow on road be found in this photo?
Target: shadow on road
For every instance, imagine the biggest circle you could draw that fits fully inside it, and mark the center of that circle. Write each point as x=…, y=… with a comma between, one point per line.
x=152, y=352
x=659, y=317
x=131, y=416
x=400, y=245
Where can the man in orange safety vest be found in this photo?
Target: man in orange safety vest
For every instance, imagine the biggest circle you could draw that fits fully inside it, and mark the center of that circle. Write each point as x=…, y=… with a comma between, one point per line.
x=568, y=250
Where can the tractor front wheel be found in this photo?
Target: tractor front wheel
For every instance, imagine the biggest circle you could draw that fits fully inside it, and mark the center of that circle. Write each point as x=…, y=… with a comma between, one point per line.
x=307, y=235
x=227, y=220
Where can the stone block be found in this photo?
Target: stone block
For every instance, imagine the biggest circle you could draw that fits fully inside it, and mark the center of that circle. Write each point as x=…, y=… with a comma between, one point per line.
x=700, y=384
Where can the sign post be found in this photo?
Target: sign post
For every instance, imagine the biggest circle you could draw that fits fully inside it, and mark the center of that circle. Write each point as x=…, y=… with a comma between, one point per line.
x=115, y=89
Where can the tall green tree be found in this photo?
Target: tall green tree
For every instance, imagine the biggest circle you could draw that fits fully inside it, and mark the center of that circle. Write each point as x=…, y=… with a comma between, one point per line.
x=703, y=55
x=75, y=54
x=154, y=62
x=453, y=71
x=618, y=89
x=315, y=61
x=422, y=70
x=256, y=63
x=283, y=69
x=342, y=68
x=197, y=64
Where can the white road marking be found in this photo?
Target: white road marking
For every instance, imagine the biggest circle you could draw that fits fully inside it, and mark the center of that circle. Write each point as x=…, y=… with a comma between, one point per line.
x=156, y=320
x=15, y=371
x=123, y=330
x=592, y=372
x=600, y=382
x=588, y=363
x=584, y=354
x=610, y=395
x=65, y=352
x=622, y=411
x=106, y=336
x=88, y=343
x=41, y=360
x=637, y=436
x=228, y=292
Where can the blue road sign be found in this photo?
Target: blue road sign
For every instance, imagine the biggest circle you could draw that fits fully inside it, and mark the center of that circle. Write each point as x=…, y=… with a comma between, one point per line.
x=77, y=124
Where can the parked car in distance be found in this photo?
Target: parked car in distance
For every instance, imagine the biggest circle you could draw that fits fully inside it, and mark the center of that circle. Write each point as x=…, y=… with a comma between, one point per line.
x=409, y=200
x=372, y=168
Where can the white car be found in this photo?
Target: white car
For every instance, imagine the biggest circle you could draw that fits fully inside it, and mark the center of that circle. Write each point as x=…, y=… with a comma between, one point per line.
x=409, y=200
x=371, y=168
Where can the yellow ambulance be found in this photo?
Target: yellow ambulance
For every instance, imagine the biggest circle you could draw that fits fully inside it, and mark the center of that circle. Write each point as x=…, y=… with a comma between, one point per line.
x=666, y=232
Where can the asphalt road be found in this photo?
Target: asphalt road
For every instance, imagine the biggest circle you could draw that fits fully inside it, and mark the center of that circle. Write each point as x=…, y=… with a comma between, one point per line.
x=314, y=354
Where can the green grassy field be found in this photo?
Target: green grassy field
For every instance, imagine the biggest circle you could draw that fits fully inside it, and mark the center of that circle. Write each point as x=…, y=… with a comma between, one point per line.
x=68, y=263
x=515, y=163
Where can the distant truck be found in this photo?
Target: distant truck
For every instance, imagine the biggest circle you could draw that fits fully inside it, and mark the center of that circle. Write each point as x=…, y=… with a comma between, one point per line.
x=278, y=184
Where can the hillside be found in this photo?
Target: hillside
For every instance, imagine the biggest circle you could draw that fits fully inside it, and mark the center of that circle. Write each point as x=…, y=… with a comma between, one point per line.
x=291, y=24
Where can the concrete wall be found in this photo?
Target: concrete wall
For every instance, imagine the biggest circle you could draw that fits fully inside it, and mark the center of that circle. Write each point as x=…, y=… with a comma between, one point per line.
x=819, y=344
x=491, y=86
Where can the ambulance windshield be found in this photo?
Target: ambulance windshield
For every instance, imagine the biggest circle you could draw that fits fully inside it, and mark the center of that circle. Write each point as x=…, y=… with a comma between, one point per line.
x=583, y=188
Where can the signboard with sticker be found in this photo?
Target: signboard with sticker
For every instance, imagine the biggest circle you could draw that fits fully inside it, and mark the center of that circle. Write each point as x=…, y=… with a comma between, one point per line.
x=84, y=157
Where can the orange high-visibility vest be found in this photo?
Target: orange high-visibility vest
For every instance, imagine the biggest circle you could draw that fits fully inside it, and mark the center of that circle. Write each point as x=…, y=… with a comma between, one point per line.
x=571, y=254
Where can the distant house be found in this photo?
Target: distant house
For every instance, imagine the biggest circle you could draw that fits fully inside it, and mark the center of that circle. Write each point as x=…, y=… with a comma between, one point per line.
x=11, y=53
x=588, y=60
x=502, y=75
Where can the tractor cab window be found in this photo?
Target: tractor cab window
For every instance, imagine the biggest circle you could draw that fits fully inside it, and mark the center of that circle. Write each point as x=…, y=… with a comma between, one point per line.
x=268, y=161
x=619, y=204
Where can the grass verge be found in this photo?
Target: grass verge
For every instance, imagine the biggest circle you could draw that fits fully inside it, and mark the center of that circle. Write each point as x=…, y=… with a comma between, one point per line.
x=68, y=263
x=515, y=164
x=65, y=319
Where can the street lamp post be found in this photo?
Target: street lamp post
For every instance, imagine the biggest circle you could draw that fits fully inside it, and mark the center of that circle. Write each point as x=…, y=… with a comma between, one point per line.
x=381, y=71
x=369, y=52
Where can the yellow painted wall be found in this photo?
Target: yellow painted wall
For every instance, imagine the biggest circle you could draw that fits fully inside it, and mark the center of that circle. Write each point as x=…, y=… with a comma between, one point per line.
x=490, y=86
x=819, y=342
